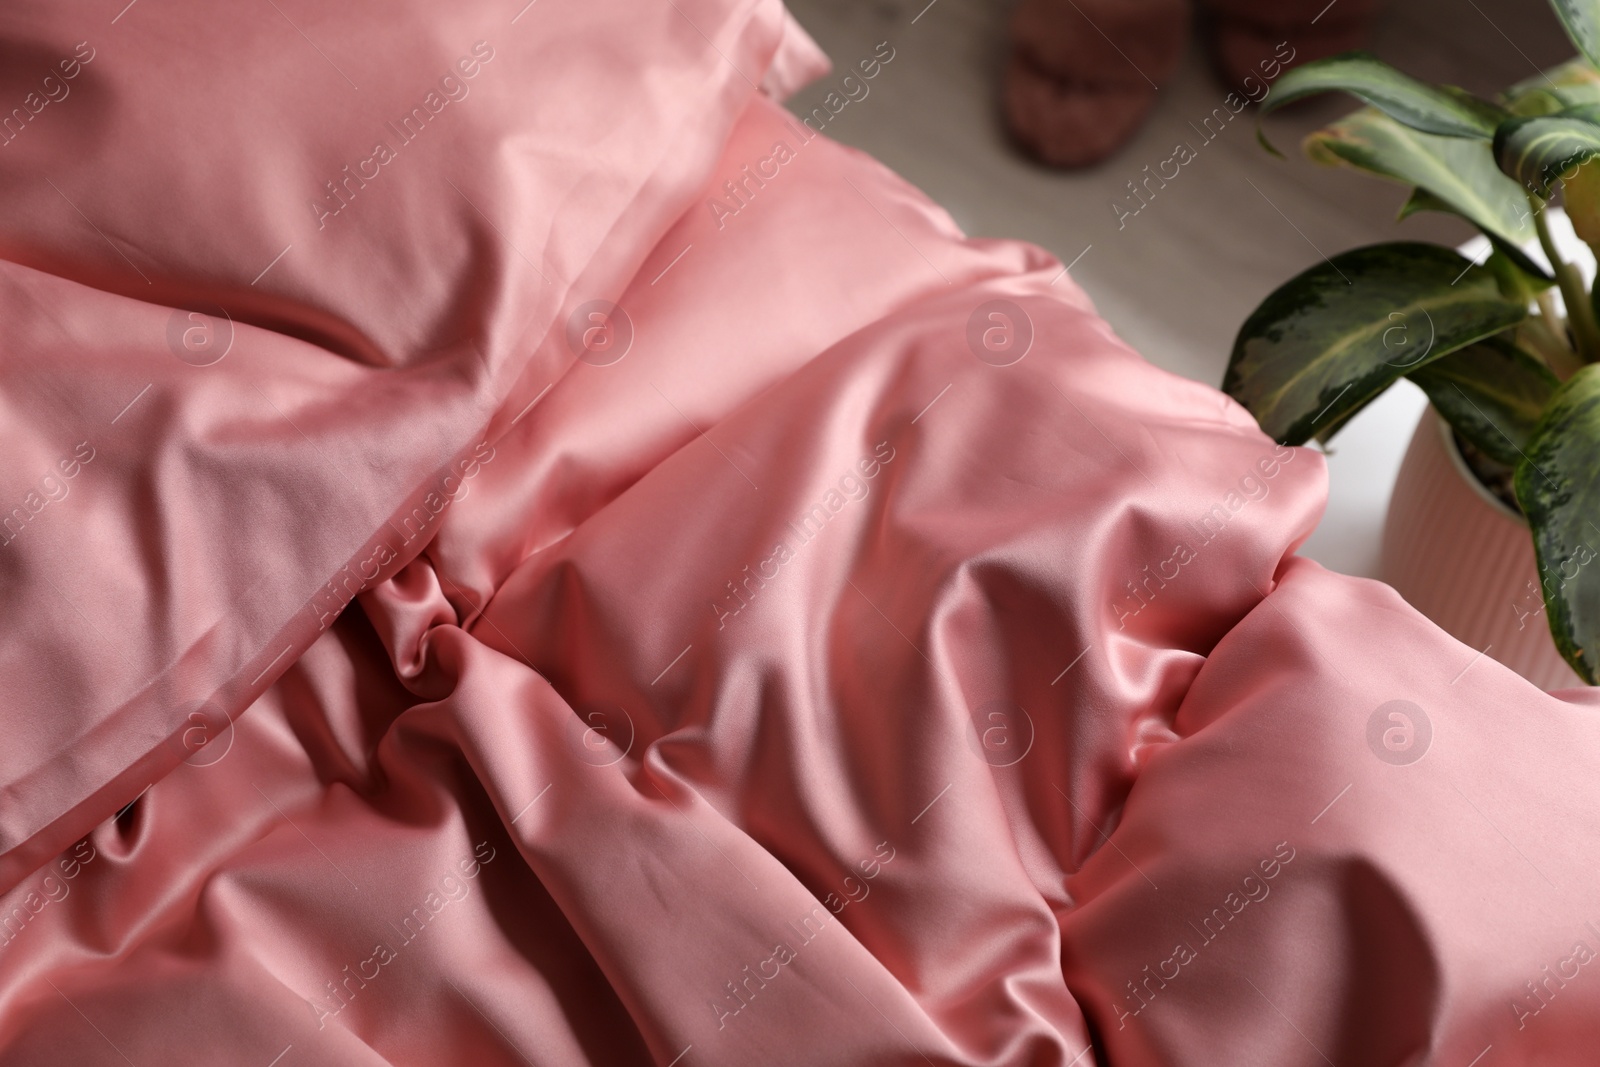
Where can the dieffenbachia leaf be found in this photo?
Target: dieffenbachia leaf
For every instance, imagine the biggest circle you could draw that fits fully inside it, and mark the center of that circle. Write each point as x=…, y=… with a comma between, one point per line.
x=1571, y=84
x=1582, y=21
x=1330, y=340
x=1458, y=173
x=1492, y=392
x=1580, y=195
x=1558, y=486
x=1538, y=151
x=1519, y=275
x=1416, y=104
x=1419, y=200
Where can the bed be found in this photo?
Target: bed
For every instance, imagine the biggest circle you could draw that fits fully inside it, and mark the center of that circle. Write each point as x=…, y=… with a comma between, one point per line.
x=632, y=583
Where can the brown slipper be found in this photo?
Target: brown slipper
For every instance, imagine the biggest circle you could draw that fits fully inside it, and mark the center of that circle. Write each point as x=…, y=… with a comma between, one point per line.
x=1083, y=73
x=1259, y=39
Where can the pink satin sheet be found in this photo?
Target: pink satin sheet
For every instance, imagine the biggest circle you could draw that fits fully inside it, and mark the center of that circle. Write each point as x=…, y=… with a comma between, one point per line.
x=808, y=685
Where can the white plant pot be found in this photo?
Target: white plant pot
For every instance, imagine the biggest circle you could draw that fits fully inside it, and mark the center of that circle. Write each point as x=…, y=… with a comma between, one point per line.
x=1464, y=559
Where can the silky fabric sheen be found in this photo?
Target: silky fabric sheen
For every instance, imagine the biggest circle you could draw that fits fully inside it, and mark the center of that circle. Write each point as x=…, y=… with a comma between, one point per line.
x=258, y=343
x=603, y=776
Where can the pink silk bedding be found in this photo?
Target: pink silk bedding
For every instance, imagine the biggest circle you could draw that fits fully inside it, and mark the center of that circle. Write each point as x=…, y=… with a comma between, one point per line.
x=833, y=673
x=335, y=235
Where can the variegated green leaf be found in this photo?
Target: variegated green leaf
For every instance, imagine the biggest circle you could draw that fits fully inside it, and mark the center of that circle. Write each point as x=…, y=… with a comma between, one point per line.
x=1571, y=84
x=1492, y=392
x=1518, y=274
x=1330, y=340
x=1580, y=195
x=1536, y=152
x=1582, y=21
x=1519, y=277
x=1558, y=486
x=1416, y=104
x=1457, y=173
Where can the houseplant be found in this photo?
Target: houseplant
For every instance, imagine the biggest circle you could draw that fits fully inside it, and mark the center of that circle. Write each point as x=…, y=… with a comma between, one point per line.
x=1516, y=376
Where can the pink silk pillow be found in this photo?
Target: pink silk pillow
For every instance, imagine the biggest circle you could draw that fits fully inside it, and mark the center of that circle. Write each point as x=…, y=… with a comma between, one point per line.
x=266, y=273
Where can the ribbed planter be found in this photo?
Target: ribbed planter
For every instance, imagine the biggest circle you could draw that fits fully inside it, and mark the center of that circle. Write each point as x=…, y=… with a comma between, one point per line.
x=1465, y=560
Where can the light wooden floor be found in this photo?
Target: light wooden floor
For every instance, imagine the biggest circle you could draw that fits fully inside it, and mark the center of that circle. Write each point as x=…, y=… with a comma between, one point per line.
x=1180, y=277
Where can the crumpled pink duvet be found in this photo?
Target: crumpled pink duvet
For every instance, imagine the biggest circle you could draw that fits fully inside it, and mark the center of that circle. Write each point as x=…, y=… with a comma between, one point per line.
x=857, y=656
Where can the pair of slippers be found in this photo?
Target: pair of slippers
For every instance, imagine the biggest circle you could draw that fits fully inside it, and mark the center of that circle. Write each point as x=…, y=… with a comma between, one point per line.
x=1083, y=73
